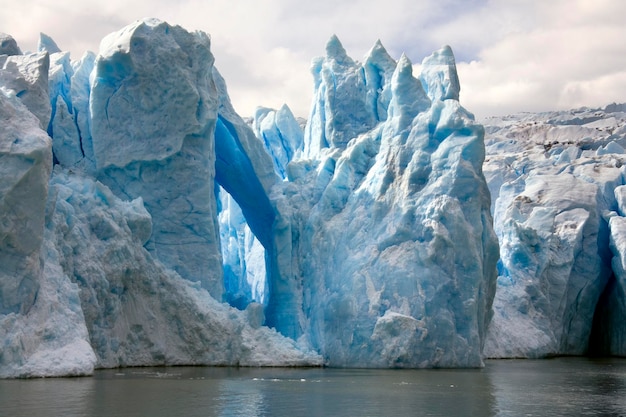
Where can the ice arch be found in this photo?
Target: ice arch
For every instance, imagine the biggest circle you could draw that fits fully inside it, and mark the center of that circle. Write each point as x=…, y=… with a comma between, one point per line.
x=244, y=169
x=235, y=173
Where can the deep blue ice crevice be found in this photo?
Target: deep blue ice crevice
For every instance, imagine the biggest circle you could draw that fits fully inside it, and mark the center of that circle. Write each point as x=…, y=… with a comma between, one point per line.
x=378, y=67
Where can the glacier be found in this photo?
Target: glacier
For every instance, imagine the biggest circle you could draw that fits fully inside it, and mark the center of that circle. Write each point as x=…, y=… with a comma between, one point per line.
x=170, y=231
x=555, y=180
x=87, y=279
x=145, y=222
x=387, y=254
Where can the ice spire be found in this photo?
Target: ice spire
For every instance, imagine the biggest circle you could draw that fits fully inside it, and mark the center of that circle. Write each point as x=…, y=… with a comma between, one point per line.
x=47, y=44
x=439, y=76
x=335, y=51
x=408, y=96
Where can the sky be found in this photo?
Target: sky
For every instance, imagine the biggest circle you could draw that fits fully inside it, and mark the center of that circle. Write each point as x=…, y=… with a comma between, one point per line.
x=512, y=55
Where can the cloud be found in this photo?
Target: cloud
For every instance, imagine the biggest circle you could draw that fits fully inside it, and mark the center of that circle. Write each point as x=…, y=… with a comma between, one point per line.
x=572, y=55
x=512, y=55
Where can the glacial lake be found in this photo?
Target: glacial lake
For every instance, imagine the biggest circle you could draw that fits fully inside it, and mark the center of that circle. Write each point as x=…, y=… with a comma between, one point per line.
x=551, y=387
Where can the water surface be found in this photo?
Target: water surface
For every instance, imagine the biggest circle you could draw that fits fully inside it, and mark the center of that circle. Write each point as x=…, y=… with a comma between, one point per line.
x=554, y=387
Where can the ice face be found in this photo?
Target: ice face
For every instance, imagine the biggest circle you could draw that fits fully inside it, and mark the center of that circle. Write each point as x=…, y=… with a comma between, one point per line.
x=439, y=76
x=367, y=238
x=80, y=90
x=552, y=177
x=281, y=134
x=152, y=126
x=339, y=111
x=26, y=164
x=47, y=44
x=27, y=76
x=385, y=239
x=138, y=312
x=66, y=141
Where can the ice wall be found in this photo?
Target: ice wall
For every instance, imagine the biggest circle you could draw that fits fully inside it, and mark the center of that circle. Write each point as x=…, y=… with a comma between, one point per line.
x=552, y=178
x=387, y=248
x=368, y=238
x=26, y=163
x=85, y=292
x=42, y=330
x=152, y=128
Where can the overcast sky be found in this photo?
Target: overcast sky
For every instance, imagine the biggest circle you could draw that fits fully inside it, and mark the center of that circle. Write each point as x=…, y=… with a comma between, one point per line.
x=512, y=55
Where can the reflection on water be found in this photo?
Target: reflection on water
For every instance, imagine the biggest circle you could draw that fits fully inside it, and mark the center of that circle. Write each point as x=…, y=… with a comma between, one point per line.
x=566, y=387
x=341, y=392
